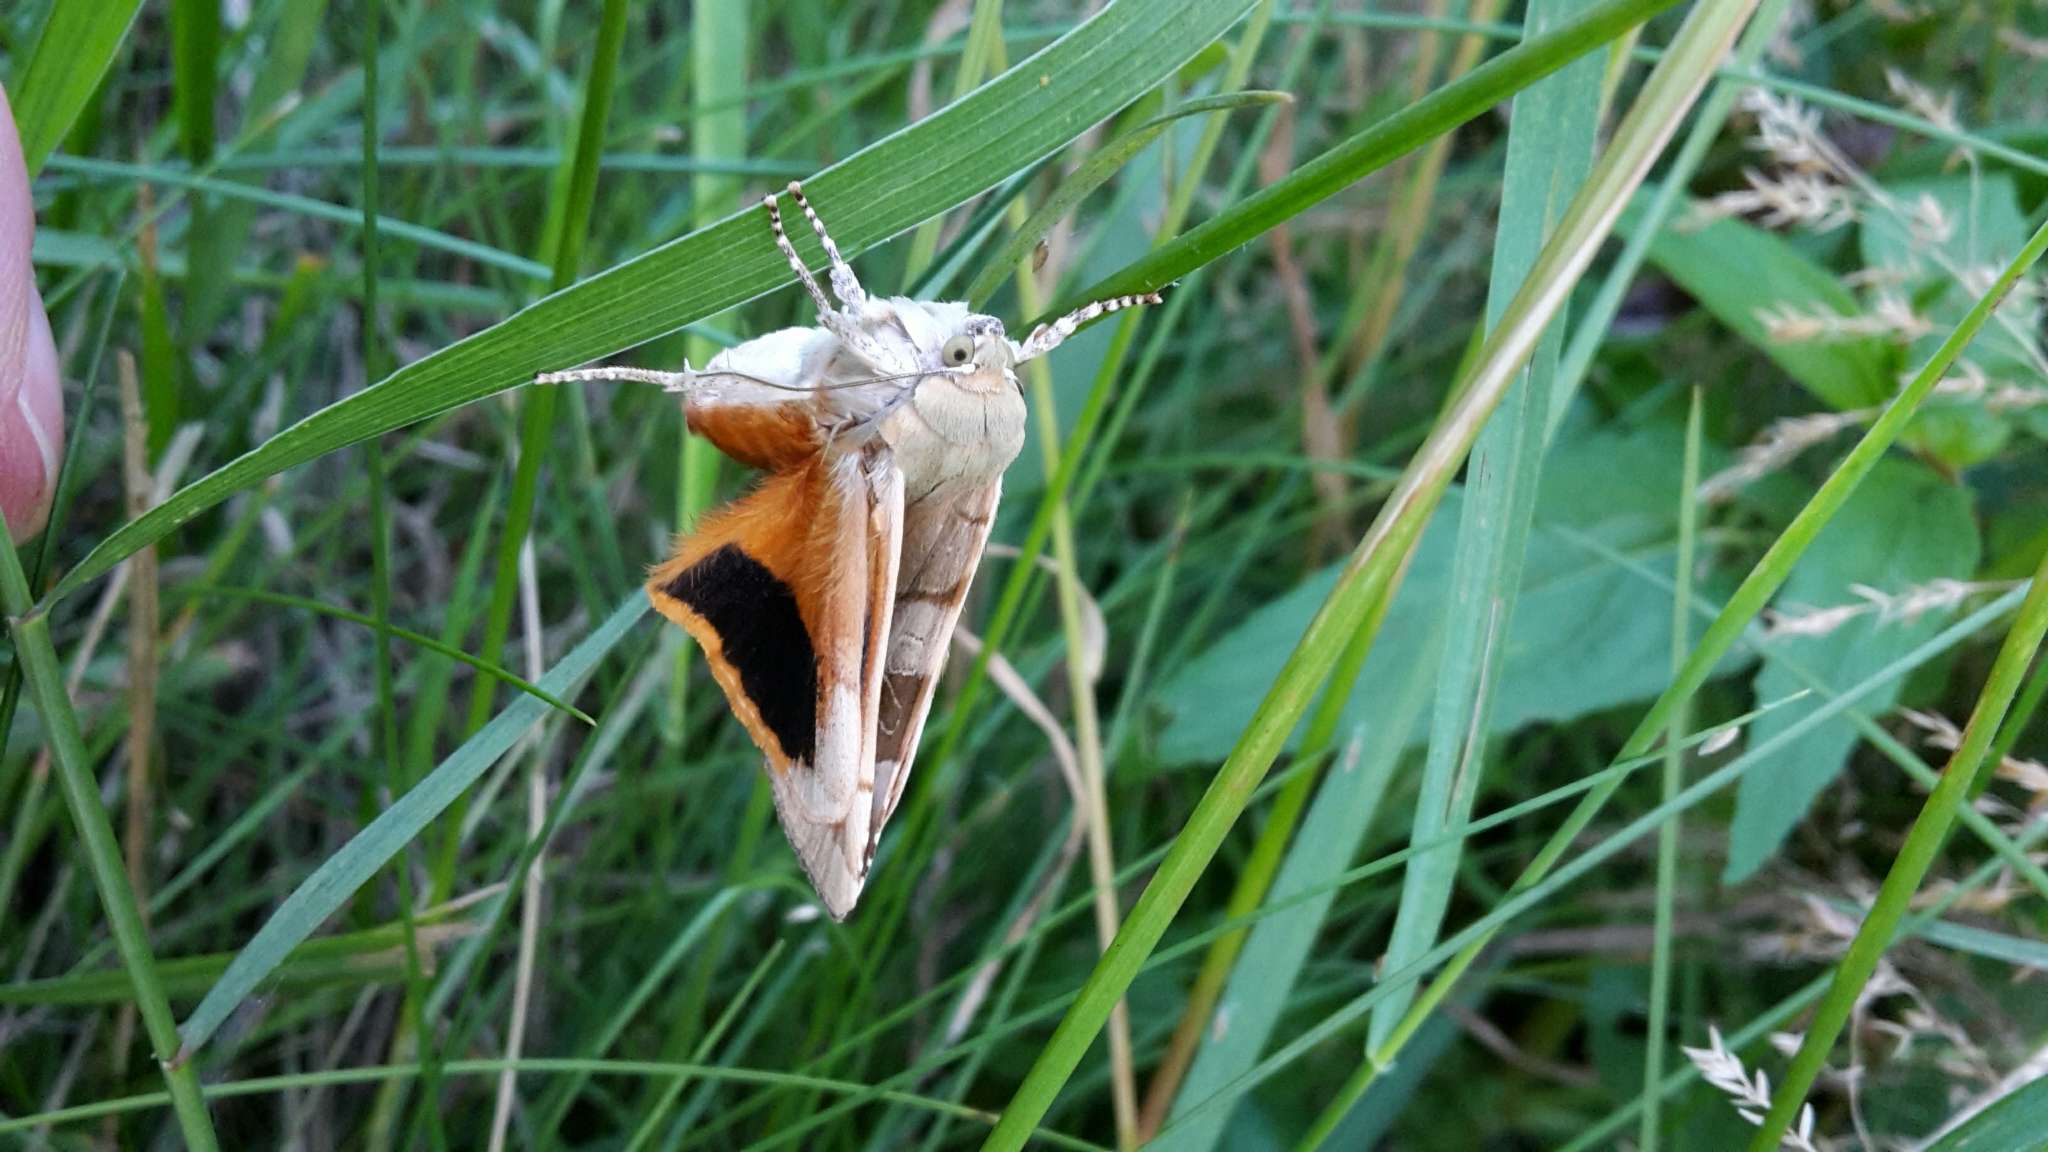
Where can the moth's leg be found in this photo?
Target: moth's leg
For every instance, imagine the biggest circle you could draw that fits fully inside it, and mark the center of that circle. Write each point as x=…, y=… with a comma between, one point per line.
x=1047, y=337
x=796, y=262
x=846, y=325
x=845, y=284
x=669, y=381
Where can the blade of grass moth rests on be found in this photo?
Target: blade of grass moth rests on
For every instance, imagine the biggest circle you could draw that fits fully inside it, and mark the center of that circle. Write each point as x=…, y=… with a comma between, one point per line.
x=825, y=599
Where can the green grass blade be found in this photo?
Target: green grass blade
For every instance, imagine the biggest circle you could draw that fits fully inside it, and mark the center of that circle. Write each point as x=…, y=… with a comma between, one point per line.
x=537, y=411
x=1332, y=1022
x=370, y=850
x=1706, y=129
x=1093, y=172
x=1266, y=972
x=1754, y=592
x=405, y=230
x=1371, y=572
x=1549, y=151
x=720, y=32
x=903, y=179
x=1923, y=843
x=350, y=958
x=38, y=660
x=421, y=639
x=195, y=81
x=77, y=46
x=632, y=1069
x=1673, y=779
x=1379, y=145
x=288, y=47
x=386, y=740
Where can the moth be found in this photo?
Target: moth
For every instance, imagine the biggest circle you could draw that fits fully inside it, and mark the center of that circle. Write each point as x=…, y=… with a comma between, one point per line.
x=825, y=599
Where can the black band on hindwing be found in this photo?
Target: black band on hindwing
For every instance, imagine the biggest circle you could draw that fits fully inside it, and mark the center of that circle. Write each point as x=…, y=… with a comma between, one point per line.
x=763, y=634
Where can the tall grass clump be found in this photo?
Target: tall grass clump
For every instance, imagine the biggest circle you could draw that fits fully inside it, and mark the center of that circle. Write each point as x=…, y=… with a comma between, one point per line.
x=1534, y=641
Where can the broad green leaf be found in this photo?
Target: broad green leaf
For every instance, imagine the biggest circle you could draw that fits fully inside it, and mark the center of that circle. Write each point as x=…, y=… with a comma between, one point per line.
x=2014, y=1122
x=1578, y=607
x=370, y=850
x=77, y=46
x=1939, y=232
x=928, y=167
x=1904, y=527
x=1739, y=272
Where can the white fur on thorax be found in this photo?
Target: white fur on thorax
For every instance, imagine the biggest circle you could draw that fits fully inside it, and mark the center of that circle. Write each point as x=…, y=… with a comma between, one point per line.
x=951, y=432
x=947, y=431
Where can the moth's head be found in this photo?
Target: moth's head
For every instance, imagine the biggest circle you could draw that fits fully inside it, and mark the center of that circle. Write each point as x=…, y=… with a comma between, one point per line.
x=977, y=355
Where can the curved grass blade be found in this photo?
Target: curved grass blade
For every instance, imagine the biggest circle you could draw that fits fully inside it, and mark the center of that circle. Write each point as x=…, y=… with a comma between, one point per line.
x=1103, y=163
x=338, y=214
x=1923, y=843
x=370, y=850
x=421, y=639
x=1379, y=145
x=37, y=656
x=1371, y=573
x=76, y=47
x=910, y=176
x=1522, y=900
x=1549, y=152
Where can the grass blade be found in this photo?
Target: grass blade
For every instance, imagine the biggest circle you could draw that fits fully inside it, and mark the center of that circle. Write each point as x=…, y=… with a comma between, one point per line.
x=720, y=31
x=908, y=177
x=1550, y=150
x=1099, y=167
x=1673, y=779
x=38, y=660
x=77, y=46
x=1923, y=843
x=371, y=849
x=1370, y=574
x=386, y=741
x=1265, y=973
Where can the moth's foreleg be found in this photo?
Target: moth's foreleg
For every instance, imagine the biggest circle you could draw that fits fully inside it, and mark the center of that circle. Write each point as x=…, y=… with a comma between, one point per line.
x=1047, y=337
x=845, y=284
x=846, y=325
x=796, y=262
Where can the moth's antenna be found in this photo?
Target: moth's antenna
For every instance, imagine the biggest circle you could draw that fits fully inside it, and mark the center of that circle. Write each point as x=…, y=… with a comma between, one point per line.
x=845, y=284
x=686, y=379
x=1047, y=337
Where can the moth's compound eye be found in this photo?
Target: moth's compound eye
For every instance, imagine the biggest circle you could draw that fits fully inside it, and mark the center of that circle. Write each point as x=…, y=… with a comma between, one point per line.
x=959, y=350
